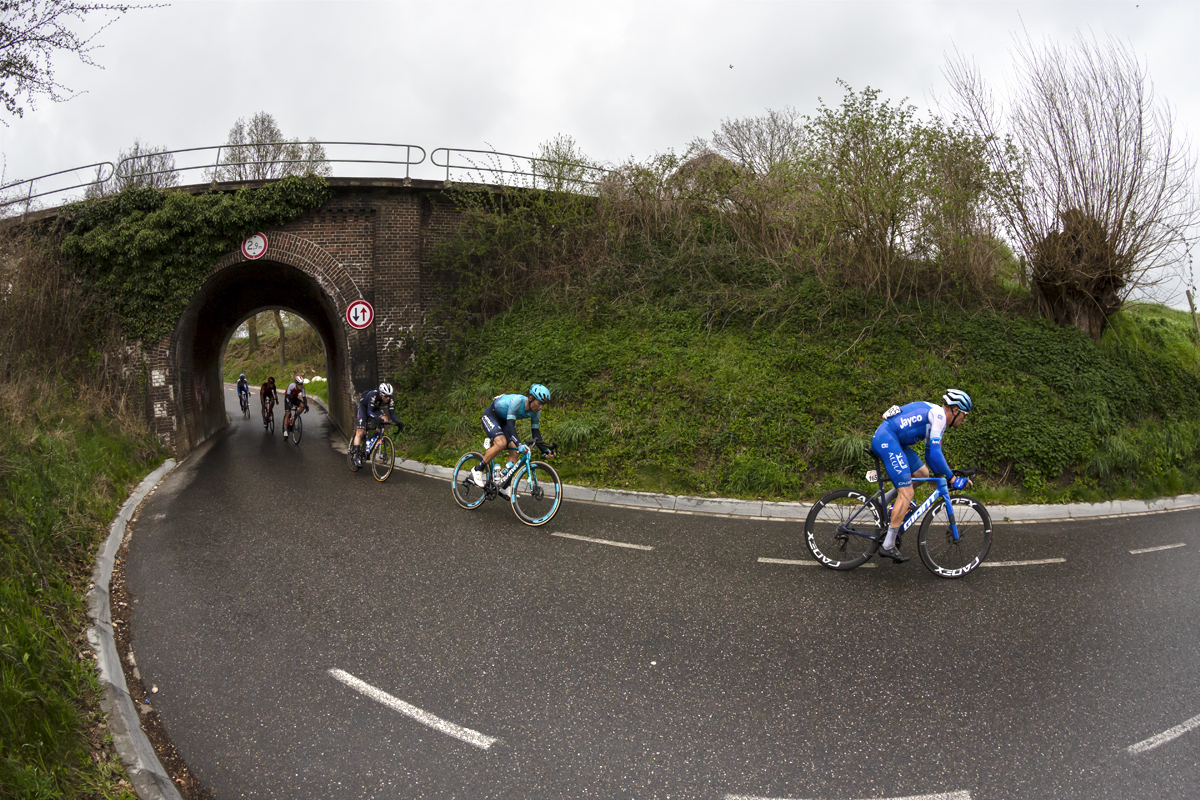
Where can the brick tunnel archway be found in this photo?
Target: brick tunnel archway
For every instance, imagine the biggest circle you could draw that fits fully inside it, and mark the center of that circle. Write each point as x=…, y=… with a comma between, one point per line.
x=294, y=275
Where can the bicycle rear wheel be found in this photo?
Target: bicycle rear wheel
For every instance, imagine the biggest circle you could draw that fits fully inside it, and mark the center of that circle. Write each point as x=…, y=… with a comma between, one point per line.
x=297, y=428
x=383, y=458
x=271, y=422
x=536, y=494
x=466, y=493
x=825, y=534
x=944, y=556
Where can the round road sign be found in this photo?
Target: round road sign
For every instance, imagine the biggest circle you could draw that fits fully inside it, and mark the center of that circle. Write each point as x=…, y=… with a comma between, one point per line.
x=359, y=314
x=254, y=246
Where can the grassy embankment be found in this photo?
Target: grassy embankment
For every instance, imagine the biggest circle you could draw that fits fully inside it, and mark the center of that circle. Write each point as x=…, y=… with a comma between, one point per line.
x=70, y=452
x=651, y=399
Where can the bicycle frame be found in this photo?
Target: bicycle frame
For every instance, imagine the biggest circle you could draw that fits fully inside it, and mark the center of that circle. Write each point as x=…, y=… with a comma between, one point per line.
x=941, y=490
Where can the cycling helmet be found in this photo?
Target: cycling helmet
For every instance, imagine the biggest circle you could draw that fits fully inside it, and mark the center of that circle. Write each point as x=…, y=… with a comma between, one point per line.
x=539, y=393
x=300, y=379
x=242, y=375
x=958, y=399
x=271, y=379
x=385, y=388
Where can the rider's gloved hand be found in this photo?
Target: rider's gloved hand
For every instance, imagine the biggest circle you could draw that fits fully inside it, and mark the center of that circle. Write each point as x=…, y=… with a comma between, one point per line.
x=521, y=448
x=959, y=482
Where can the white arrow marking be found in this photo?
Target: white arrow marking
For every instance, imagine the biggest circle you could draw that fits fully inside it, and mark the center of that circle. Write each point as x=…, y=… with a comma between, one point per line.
x=424, y=717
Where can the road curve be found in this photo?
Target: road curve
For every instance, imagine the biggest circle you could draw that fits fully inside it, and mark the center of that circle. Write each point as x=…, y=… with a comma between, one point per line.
x=315, y=634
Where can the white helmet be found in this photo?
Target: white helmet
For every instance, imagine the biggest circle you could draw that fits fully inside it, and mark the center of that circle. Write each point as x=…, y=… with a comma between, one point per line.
x=385, y=388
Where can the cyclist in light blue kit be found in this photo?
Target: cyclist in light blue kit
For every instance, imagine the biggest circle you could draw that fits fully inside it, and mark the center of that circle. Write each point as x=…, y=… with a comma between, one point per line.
x=901, y=429
x=500, y=425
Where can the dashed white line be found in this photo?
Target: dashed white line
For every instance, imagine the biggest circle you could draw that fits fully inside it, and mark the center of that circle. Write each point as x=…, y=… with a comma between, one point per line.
x=1165, y=736
x=1023, y=563
x=603, y=541
x=1160, y=547
x=797, y=562
x=937, y=796
x=424, y=717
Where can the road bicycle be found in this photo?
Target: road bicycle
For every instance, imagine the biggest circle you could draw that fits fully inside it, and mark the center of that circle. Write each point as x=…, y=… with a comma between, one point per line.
x=293, y=424
x=380, y=452
x=533, y=487
x=244, y=402
x=269, y=418
x=846, y=527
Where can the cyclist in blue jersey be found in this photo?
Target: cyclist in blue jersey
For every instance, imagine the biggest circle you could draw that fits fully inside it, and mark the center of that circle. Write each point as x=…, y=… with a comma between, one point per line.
x=375, y=404
x=500, y=425
x=243, y=388
x=893, y=442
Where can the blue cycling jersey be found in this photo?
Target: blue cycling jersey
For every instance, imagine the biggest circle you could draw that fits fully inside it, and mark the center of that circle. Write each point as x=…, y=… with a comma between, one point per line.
x=921, y=421
x=508, y=408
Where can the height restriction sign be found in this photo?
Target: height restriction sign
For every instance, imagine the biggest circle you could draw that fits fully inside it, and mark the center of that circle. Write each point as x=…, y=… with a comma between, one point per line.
x=359, y=314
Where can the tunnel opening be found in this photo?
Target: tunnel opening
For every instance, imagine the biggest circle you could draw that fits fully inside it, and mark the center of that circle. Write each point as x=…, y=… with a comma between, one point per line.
x=227, y=299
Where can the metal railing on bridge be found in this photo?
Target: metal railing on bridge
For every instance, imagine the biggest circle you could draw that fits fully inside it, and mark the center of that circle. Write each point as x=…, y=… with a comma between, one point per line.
x=474, y=166
x=235, y=168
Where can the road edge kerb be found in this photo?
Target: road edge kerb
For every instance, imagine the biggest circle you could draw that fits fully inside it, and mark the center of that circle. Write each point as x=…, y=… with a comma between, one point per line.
x=146, y=773
x=791, y=512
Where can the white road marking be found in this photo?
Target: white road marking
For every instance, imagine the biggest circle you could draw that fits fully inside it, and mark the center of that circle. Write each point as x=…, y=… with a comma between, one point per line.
x=1165, y=736
x=603, y=541
x=801, y=562
x=424, y=717
x=937, y=796
x=1160, y=547
x=1023, y=563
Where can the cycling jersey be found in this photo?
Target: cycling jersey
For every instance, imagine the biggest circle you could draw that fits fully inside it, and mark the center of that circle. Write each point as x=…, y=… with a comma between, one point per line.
x=266, y=393
x=243, y=386
x=372, y=406
x=502, y=415
x=894, y=439
x=295, y=396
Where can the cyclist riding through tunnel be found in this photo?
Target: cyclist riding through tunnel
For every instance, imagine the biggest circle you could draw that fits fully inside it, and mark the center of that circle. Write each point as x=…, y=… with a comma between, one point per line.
x=376, y=405
x=268, y=396
x=294, y=400
x=243, y=387
x=500, y=425
x=901, y=429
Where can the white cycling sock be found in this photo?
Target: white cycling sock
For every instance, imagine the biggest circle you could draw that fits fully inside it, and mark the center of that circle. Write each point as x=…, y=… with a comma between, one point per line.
x=889, y=541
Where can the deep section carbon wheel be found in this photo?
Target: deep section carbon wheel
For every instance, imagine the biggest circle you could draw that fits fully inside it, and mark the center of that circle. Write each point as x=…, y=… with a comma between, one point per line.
x=466, y=493
x=841, y=528
x=944, y=556
x=536, y=493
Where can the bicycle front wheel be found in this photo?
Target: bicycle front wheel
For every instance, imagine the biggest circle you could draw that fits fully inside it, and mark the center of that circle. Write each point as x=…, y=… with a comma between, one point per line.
x=297, y=428
x=942, y=554
x=466, y=493
x=383, y=458
x=835, y=528
x=271, y=424
x=536, y=494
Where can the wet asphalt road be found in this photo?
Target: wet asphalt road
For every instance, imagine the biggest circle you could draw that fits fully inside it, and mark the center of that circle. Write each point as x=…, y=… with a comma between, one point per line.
x=687, y=671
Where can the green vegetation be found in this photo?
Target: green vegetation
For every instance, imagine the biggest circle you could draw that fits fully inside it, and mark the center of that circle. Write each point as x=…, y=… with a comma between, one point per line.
x=736, y=326
x=72, y=446
x=148, y=250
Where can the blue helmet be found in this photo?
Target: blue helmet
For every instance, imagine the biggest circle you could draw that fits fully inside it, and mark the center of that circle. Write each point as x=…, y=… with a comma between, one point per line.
x=958, y=399
x=539, y=393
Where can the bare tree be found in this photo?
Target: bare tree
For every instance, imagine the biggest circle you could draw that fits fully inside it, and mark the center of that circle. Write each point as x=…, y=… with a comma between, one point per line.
x=141, y=166
x=1100, y=193
x=33, y=33
x=257, y=150
x=757, y=144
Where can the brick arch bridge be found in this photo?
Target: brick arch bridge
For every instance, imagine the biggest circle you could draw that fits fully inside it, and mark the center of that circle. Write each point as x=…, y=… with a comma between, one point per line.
x=372, y=240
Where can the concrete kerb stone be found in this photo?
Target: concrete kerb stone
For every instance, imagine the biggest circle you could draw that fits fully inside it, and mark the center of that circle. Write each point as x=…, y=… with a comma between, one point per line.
x=146, y=772
x=789, y=512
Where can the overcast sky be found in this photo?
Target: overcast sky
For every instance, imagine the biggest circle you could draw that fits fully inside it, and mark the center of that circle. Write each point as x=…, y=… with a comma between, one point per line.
x=623, y=79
